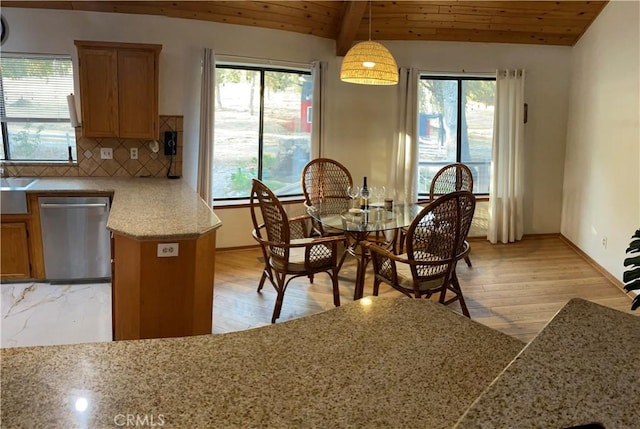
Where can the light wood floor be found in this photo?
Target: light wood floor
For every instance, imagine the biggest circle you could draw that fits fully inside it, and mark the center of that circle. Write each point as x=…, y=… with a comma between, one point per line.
x=515, y=288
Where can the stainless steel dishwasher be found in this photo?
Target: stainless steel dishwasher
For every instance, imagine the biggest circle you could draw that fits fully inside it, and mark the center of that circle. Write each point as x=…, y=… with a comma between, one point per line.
x=77, y=245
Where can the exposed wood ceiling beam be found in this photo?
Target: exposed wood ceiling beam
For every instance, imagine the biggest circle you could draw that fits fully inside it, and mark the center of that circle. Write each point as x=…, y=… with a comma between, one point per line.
x=353, y=13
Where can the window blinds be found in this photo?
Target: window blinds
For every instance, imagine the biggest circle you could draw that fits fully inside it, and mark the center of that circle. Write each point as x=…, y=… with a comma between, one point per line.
x=34, y=88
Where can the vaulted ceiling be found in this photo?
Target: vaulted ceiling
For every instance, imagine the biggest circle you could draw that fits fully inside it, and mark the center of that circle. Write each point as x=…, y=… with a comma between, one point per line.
x=532, y=22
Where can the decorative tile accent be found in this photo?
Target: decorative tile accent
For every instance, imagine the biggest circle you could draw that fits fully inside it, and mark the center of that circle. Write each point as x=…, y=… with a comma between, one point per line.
x=90, y=164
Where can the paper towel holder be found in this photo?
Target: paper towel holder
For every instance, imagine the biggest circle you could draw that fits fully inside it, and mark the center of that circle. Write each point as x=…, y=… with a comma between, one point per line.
x=73, y=113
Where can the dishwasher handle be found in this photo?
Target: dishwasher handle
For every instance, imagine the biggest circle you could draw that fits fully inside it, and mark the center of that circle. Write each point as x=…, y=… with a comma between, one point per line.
x=71, y=206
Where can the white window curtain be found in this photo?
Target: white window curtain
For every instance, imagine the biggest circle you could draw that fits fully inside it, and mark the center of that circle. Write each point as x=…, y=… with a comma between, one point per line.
x=319, y=76
x=404, y=164
x=207, y=111
x=507, y=160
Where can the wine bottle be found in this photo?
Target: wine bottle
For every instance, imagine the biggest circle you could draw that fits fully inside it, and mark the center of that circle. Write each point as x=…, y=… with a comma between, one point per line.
x=364, y=193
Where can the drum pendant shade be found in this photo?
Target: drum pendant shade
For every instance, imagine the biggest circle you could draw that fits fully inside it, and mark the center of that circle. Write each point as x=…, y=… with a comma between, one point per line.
x=369, y=63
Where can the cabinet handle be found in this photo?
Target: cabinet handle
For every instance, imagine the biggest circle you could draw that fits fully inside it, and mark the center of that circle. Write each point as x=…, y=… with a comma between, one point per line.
x=70, y=206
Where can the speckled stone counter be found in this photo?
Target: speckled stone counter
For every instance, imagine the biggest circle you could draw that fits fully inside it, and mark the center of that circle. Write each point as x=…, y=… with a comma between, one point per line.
x=584, y=367
x=376, y=362
x=143, y=208
x=153, y=297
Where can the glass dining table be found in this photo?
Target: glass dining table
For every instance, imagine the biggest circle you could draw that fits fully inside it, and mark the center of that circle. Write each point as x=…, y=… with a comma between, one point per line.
x=373, y=224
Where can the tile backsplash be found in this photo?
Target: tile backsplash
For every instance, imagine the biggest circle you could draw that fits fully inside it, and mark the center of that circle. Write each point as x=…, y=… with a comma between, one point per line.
x=148, y=164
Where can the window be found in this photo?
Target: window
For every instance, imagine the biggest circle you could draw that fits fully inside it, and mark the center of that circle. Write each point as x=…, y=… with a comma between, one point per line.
x=34, y=113
x=455, y=124
x=262, y=130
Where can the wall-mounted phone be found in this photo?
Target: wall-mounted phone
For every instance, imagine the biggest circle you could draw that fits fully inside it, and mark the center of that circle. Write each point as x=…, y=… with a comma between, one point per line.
x=170, y=142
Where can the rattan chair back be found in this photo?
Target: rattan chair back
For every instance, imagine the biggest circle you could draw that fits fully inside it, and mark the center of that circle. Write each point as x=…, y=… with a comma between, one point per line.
x=437, y=235
x=451, y=178
x=324, y=184
x=276, y=222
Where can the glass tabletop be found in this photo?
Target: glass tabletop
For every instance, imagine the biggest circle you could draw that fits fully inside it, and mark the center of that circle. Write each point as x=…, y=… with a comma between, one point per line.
x=375, y=218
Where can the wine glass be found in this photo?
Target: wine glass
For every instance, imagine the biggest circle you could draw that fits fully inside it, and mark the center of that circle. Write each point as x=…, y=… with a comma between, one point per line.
x=364, y=194
x=353, y=192
x=378, y=193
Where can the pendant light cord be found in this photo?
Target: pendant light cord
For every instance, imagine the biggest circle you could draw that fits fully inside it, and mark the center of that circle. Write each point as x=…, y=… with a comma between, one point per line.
x=369, y=20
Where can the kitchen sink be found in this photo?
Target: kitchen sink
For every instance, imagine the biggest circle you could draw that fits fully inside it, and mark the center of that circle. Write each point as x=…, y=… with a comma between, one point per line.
x=13, y=195
x=16, y=183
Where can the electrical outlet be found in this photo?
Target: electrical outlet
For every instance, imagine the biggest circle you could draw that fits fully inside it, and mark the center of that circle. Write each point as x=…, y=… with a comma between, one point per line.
x=167, y=250
x=134, y=152
x=106, y=153
x=604, y=242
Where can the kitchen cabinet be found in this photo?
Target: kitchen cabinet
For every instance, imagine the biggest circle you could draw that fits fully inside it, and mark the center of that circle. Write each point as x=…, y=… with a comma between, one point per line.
x=14, y=249
x=157, y=297
x=119, y=89
x=21, y=244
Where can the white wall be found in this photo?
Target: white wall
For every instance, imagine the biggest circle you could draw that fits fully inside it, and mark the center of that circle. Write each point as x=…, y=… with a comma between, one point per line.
x=359, y=120
x=601, y=164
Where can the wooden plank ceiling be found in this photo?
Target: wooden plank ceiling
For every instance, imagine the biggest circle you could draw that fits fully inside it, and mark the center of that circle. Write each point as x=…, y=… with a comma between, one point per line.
x=532, y=22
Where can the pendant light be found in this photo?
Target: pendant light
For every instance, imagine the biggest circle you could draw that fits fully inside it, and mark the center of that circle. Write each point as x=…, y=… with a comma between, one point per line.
x=369, y=63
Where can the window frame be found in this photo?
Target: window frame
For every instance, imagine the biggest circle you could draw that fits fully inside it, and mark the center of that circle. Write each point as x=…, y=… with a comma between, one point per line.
x=4, y=129
x=243, y=200
x=459, y=79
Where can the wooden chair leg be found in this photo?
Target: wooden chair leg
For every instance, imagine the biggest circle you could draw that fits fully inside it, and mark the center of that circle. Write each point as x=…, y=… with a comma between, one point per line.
x=463, y=305
x=278, y=306
x=456, y=285
x=345, y=252
x=468, y=261
x=262, y=279
x=336, y=291
x=376, y=286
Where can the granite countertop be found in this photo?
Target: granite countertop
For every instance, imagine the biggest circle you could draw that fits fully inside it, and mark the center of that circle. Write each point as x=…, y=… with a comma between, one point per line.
x=144, y=208
x=376, y=362
x=584, y=367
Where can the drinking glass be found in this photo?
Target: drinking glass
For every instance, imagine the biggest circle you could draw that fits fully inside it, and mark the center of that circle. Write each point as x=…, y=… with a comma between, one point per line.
x=353, y=192
x=364, y=194
x=379, y=192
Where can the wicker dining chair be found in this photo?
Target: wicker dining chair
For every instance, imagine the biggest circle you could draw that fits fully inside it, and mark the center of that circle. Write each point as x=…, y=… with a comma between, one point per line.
x=436, y=240
x=450, y=178
x=287, y=249
x=324, y=185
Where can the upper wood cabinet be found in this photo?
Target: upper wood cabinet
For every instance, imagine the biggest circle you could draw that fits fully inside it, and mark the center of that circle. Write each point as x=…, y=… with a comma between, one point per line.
x=119, y=89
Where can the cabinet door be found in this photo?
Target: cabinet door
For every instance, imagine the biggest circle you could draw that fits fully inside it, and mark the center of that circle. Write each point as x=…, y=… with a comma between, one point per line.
x=14, y=248
x=138, y=93
x=99, y=91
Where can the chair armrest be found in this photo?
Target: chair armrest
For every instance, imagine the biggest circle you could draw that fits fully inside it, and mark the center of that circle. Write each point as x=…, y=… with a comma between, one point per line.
x=299, y=226
x=300, y=218
x=384, y=262
x=334, y=239
x=383, y=252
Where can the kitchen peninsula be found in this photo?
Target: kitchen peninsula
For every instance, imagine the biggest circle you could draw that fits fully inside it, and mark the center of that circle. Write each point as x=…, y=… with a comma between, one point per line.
x=153, y=296
x=376, y=362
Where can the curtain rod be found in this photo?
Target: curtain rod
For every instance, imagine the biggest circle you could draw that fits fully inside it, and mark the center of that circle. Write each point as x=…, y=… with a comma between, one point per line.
x=461, y=73
x=269, y=60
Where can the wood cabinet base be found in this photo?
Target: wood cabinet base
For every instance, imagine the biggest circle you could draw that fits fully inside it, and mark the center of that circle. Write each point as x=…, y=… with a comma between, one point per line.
x=14, y=251
x=156, y=297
